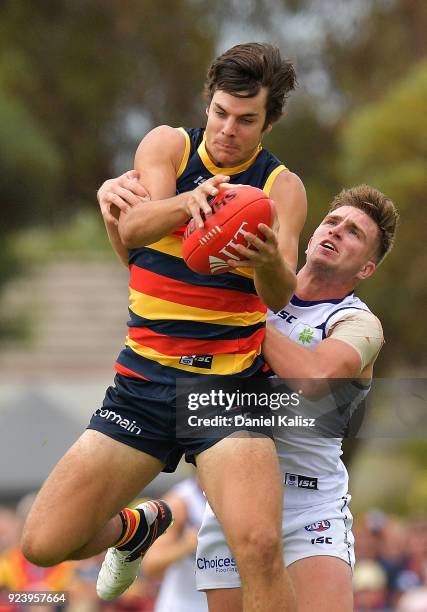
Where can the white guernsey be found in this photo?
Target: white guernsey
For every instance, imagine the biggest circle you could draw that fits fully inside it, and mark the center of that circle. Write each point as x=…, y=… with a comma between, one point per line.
x=318, y=520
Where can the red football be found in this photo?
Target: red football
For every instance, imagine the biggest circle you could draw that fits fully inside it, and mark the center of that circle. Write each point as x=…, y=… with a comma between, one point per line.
x=234, y=212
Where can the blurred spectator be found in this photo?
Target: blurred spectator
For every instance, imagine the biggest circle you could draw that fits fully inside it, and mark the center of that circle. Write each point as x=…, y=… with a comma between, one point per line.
x=370, y=586
x=390, y=574
x=10, y=528
x=413, y=601
x=399, y=548
x=173, y=555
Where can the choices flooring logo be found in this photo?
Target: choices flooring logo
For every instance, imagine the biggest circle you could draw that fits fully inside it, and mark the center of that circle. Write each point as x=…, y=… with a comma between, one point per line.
x=219, y=564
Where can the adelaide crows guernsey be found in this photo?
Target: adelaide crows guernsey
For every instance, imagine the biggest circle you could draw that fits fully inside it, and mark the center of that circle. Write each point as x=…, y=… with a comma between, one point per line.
x=187, y=324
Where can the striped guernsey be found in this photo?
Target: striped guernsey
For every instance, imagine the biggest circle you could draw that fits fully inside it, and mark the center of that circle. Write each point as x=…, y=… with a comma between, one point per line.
x=183, y=323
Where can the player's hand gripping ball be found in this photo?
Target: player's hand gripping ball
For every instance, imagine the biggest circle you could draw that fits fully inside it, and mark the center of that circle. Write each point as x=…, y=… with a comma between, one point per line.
x=235, y=211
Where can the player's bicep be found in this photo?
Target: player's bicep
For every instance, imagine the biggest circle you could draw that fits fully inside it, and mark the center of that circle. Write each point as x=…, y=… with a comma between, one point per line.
x=362, y=331
x=290, y=199
x=157, y=160
x=337, y=359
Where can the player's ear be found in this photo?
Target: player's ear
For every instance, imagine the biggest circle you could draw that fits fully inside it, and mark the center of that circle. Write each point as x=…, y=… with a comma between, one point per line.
x=366, y=270
x=308, y=245
x=267, y=129
x=207, y=111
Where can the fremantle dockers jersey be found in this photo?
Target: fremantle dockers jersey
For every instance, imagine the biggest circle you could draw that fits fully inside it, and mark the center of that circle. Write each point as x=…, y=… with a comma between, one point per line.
x=311, y=466
x=183, y=323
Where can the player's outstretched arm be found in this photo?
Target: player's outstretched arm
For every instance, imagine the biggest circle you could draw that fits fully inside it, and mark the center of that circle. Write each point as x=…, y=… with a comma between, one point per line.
x=274, y=259
x=290, y=199
x=157, y=160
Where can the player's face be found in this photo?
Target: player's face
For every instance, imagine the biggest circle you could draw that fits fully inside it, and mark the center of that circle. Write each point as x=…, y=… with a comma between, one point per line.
x=345, y=243
x=235, y=127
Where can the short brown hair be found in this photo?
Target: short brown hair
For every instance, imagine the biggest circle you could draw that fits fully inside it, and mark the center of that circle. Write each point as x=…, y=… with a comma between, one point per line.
x=378, y=207
x=244, y=69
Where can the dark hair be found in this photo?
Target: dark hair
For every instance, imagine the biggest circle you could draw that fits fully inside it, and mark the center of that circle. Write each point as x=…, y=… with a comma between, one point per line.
x=378, y=207
x=244, y=69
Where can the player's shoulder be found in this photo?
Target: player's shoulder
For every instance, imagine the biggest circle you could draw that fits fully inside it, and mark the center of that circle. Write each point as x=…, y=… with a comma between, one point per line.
x=165, y=135
x=360, y=318
x=165, y=141
x=288, y=180
x=288, y=192
x=368, y=316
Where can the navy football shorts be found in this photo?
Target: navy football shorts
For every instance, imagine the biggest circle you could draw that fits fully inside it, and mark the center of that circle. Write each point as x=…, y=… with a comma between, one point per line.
x=142, y=414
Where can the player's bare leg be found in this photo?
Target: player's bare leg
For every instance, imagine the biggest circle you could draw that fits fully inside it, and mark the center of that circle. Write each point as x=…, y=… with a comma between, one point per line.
x=241, y=478
x=75, y=514
x=224, y=600
x=323, y=584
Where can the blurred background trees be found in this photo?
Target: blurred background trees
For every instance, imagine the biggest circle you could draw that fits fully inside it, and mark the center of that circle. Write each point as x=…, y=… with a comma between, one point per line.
x=81, y=82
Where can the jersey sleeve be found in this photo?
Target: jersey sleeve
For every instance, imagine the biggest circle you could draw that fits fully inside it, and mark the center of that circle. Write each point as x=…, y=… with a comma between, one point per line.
x=360, y=329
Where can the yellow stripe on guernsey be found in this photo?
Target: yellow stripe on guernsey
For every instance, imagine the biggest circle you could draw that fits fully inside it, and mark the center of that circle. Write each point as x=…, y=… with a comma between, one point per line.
x=172, y=245
x=155, y=309
x=222, y=364
x=186, y=155
x=273, y=175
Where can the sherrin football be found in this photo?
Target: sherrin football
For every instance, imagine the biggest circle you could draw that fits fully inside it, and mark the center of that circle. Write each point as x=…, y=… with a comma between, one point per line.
x=234, y=211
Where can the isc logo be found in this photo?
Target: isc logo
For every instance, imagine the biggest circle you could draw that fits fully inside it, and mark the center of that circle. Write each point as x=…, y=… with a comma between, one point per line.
x=321, y=540
x=286, y=316
x=197, y=361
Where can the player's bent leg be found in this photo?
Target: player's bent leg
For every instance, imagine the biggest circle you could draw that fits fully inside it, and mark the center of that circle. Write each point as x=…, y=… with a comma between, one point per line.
x=322, y=583
x=224, y=600
x=241, y=478
x=75, y=513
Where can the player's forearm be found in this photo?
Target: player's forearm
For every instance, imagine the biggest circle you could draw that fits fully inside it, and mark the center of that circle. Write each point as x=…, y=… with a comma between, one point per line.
x=314, y=371
x=301, y=367
x=275, y=285
x=115, y=241
x=287, y=358
x=147, y=224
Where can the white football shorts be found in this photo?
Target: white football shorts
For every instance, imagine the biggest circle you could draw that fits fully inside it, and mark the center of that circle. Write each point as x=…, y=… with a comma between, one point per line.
x=323, y=529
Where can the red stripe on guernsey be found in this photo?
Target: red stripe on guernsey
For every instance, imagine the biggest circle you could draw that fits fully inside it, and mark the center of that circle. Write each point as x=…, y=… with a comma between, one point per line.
x=168, y=345
x=210, y=298
x=126, y=372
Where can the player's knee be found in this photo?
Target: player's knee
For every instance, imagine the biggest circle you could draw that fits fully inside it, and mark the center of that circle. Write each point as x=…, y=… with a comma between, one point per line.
x=39, y=551
x=260, y=547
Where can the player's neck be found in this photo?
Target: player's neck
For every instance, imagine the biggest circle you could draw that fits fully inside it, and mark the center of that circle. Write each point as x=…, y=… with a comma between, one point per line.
x=236, y=163
x=315, y=286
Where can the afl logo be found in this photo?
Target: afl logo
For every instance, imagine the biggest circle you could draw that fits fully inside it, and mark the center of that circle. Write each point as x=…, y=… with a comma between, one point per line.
x=319, y=526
